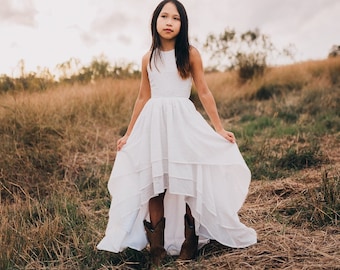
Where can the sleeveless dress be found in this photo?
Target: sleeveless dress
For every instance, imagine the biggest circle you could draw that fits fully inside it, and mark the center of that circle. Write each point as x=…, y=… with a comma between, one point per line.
x=173, y=148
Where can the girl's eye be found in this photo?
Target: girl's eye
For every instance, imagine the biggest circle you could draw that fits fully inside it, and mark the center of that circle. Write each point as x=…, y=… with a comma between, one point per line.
x=163, y=16
x=178, y=19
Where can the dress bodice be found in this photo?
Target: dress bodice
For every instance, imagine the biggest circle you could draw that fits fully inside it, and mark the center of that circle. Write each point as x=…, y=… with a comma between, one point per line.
x=164, y=78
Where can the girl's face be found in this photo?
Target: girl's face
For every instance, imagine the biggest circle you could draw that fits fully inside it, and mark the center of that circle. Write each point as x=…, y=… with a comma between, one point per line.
x=168, y=22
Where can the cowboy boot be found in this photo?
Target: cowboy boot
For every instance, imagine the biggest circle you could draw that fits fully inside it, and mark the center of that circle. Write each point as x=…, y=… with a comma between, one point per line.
x=189, y=246
x=155, y=237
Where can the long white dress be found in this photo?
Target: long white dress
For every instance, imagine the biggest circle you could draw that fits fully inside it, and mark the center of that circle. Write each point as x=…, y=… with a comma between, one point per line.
x=173, y=148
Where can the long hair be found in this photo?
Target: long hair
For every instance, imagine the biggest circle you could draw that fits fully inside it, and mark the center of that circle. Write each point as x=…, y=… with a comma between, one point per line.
x=182, y=45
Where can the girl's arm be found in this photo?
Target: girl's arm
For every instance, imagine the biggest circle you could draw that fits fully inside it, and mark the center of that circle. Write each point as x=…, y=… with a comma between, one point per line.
x=205, y=94
x=143, y=96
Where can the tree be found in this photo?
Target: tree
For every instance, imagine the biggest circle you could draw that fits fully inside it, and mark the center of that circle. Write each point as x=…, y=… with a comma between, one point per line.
x=100, y=67
x=247, y=52
x=68, y=68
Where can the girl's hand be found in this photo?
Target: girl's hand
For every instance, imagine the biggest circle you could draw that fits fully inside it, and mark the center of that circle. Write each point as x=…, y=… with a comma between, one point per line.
x=121, y=142
x=227, y=135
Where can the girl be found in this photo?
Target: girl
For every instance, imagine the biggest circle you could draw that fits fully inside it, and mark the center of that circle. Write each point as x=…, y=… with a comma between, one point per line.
x=170, y=163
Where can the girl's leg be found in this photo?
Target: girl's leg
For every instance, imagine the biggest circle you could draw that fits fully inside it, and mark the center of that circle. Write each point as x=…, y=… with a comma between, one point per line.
x=190, y=218
x=156, y=209
x=155, y=229
x=190, y=244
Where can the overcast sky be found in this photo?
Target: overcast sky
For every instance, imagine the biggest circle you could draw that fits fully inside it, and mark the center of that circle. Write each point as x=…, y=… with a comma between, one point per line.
x=49, y=32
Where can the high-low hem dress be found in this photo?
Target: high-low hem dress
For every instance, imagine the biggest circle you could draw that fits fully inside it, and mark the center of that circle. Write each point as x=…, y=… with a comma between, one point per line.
x=172, y=148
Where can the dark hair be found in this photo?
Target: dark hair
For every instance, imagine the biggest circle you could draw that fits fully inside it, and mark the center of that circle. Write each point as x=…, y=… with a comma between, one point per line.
x=182, y=40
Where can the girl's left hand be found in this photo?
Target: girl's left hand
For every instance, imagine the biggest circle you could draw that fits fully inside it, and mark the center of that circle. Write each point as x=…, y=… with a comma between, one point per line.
x=227, y=135
x=121, y=142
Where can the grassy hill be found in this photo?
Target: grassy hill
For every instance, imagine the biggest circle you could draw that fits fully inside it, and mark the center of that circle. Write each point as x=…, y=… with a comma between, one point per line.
x=57, y=148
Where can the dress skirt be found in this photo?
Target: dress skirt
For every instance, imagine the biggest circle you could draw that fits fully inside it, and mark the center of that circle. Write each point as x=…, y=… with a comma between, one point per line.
x=172, y=148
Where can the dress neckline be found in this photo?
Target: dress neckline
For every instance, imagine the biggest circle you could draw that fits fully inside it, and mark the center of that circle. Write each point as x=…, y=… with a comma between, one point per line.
x=168, y=51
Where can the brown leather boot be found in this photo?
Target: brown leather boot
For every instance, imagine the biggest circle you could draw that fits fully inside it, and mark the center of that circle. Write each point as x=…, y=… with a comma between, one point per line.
x=189, y=246
x=156, y=239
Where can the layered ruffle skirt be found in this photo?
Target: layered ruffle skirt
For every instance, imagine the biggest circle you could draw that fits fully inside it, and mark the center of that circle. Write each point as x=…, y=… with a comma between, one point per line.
x=172, y=148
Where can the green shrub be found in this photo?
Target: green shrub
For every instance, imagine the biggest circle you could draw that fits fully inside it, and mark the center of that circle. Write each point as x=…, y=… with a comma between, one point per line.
x=266, y=92
x=250, y=65
x=300, y=157
x=334, y=73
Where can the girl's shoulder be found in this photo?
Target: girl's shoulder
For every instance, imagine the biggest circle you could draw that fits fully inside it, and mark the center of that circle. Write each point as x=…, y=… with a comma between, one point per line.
x=146, y=58
x=193, y=49
x=147, y=55
x=194, y=54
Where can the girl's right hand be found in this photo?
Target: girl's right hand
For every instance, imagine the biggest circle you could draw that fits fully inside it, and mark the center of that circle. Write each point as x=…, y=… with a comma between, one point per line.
x=227, y=135
x=121, y=142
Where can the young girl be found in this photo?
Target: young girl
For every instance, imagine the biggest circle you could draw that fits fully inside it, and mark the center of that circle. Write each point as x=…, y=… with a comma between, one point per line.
x=176, y=182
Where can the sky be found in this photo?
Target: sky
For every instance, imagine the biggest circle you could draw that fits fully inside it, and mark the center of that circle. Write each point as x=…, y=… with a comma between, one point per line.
x=45, y=33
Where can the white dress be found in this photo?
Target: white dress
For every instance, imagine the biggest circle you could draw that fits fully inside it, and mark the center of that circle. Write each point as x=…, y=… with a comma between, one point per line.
x=173, y=148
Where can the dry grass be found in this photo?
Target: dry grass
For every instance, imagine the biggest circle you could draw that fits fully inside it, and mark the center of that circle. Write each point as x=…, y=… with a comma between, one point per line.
x=280, y=244
x=58, y=146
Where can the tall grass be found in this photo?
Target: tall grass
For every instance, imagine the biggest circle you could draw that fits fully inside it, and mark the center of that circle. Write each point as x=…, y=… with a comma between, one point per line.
x=44, y=134
x=58, y=146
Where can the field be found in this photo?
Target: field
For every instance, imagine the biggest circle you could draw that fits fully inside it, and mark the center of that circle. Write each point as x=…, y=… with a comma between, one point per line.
x=57, y=148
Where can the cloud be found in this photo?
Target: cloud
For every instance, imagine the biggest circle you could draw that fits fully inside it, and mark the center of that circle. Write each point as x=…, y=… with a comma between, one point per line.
x=121, y=29
x=88, y=38
x=113, y=23
x=307, y=24
x=288, y=15
x=18, y=13
x=116, y=21
x=124, y=39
